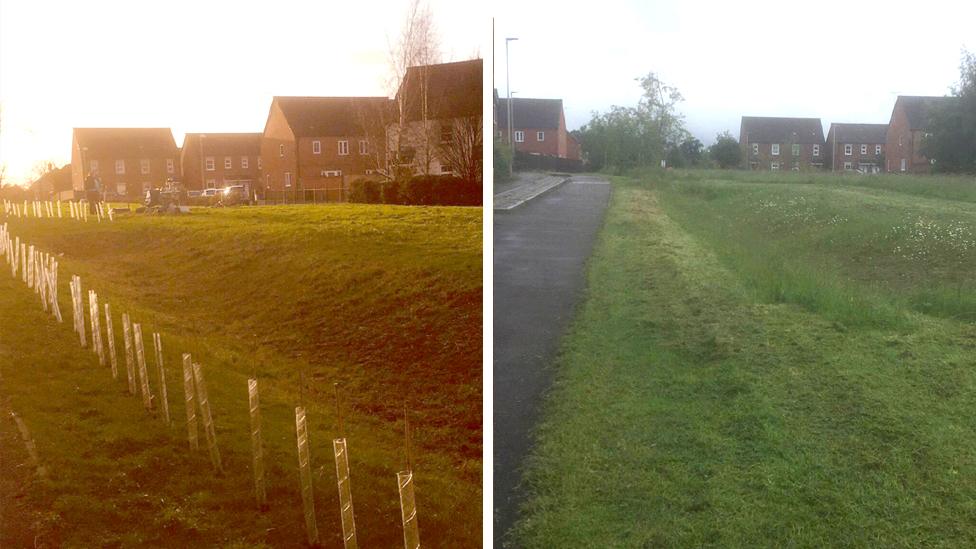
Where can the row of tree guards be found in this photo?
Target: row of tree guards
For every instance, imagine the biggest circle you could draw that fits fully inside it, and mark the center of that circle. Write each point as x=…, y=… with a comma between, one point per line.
x=77, y=210
x=39, y=271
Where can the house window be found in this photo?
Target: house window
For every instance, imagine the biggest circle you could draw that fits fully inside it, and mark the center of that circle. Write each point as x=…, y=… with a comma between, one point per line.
x=144, y=165
x=259, y=162
x=120, y=187
x=228, y=162
x=316, y=147
x=519, y=136
x=93, y=166
x=288, y=179
x=796, y=166
x=120, y=167
x=816, y=150
x=540, y=136
x=281, y=151
x=331, y=173
x=343, y=148
x=211, y=165
x=755, y=149
x=877, y=150
x=446, y=169
x=774, y=165
x=796, y=150
x=243, y=162
x=848, y=150
x=847, y=165
x=446, y=133
x=776, y=152
x=363, y=146
x=170, y=166
x=902, y=164
x=864, y=149
x=211, y=183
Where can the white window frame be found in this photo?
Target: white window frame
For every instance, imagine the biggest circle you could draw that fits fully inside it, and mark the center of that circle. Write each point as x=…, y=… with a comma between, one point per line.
x=211, y=183
x=331, y=173
x=120, y=188
x=848, y=149
x=170, y=165
x=287, y=179
x=259, y=163
x=120, y=167
x=519, y=136
x=228, y=162
x=774, y=166
x=211, y=164
x=816, y=150
x=796, y=149
x=877, y=150
x=755, y=149
x=281, y=150
x=243, y=162
x=363, y=147
x=343, y=147
x=775, y=150
x=540, y=136
x=848, y=166
x=864, y=149
x=903, y=164
x=316, y=147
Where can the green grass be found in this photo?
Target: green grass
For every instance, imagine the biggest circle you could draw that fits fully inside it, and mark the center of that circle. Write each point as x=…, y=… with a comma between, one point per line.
x=776, y=363
x=384, y=300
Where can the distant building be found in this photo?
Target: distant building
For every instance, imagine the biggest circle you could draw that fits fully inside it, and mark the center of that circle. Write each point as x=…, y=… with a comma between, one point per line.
x=313, y=147
x=122, y=162
x=217, y=160
x=857, y=147
x=910, y=122
x=538, y=127
x=440, y=104
x=773, y=143
x=52, y=183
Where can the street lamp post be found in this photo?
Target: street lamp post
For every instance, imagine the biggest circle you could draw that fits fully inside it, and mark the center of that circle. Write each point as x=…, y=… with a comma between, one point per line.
x=508, y=91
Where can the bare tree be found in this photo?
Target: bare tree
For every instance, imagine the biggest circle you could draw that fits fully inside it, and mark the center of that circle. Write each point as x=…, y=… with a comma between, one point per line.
x=463, y=151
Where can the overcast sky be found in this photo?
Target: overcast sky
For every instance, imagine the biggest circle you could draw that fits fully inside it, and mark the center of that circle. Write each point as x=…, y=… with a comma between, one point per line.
x=194, y=66
x=841, y=61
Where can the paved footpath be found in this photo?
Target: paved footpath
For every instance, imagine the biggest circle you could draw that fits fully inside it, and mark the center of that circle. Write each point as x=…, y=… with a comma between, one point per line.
x=541, y=249
x=525, y=188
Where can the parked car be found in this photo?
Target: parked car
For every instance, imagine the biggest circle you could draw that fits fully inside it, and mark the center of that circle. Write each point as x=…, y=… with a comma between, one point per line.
x=234, y=195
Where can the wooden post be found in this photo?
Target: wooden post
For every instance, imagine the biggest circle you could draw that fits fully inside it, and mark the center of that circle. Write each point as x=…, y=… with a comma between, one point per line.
x=208, y=426
x=147, y=397
x=340, y=450
x=305, y=472
x=164, y=400
x=408, y=504
x=112, y=356
x=130, y=367
x=189, y=397
x=257, y=447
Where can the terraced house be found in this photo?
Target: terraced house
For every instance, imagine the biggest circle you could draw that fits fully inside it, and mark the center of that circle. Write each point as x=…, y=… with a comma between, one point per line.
x=857, y=147
x=911, y=119
x=775, y=143
x=122, y=162
x=538, y=127
x=217, y=160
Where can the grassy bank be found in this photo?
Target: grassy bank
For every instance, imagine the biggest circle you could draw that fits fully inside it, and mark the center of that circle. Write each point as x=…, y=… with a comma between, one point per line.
x=385, y=301
x=765, y=363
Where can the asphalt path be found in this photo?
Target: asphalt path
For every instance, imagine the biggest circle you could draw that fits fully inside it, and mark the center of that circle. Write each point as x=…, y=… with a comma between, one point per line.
x=540, y=252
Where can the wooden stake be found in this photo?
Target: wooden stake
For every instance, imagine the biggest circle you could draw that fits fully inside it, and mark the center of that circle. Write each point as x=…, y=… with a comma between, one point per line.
x=257, y=447
x=208, y=426
x=113, y=358
x=189, y=397
x=164, y=400
x=305, y=472
x=147, y=397
x=130, y=367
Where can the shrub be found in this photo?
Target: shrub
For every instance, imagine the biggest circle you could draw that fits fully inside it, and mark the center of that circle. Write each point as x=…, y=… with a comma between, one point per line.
x=364, y=191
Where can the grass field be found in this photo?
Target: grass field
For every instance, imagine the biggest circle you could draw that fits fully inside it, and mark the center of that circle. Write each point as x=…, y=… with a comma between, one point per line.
x=774, y=360
x=384, y=300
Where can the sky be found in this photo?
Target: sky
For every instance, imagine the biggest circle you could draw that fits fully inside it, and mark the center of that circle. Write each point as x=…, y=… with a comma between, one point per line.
x=193, y=66
x=840, y=61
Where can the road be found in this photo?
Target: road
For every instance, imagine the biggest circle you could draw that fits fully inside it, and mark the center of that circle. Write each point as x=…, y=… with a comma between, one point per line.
x=540, y=253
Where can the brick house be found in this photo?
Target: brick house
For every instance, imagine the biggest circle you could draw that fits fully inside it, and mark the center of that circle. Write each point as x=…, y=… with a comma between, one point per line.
x=440, y=109
x=859, y=147
x=126, y=162
x=910, y=121
x=538, y=127
x=774, y=143
x=314, y=147
x=216, y=160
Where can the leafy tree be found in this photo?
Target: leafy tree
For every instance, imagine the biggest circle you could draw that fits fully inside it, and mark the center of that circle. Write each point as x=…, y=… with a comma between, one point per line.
x=725, y=152
x=952, y=138
x=691, y=151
